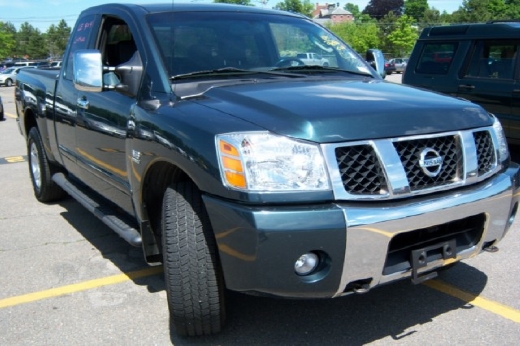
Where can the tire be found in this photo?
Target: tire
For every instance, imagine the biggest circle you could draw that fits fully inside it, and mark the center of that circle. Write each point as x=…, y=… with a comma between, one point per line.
x=8, y=83
x=194, y=280
x=45, y=189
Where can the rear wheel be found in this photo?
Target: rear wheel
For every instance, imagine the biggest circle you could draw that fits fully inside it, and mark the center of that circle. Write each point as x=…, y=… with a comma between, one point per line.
x=45, y=189
x=8, y=83
x=194, y=282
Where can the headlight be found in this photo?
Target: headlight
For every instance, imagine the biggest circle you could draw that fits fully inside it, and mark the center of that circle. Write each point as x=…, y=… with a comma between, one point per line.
x=259, y=161
x=503, y=150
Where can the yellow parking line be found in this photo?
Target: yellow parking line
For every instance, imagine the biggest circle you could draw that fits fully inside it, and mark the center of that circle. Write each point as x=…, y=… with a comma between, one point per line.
x=494, y=307
x=82, y=286
x=489, y=305
x=10, y=115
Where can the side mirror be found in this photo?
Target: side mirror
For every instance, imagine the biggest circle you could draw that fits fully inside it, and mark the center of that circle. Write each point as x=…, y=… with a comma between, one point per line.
x=376, y=59
x=88, y=70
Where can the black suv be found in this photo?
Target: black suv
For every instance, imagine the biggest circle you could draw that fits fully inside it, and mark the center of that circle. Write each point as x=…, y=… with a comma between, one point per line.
x=478, y=62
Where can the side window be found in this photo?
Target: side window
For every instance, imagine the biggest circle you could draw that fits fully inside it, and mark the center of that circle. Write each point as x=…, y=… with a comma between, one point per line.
x=436, y=58
x=78, y=40
x=493, y=59
x=117, y=46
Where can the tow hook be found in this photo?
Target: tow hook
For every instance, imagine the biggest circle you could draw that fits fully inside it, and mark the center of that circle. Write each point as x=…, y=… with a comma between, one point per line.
x=491, y=249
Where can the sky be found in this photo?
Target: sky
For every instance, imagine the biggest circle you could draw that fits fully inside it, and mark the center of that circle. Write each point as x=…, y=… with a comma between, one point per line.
x=41, y=14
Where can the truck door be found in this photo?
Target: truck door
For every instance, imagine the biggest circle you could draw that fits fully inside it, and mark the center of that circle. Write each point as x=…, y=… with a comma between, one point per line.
x=488, y=79
x=65, y=103
x=101, y=135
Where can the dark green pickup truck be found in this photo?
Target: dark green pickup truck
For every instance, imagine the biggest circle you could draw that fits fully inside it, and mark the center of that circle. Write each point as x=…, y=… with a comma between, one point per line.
x=196, y=132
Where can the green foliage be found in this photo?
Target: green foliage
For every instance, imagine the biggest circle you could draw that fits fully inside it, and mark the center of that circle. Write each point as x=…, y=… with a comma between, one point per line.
x=403, y=36
x=415, y=8
x=303, y=7
x=352, y=8
x=380, y=8
x=360, y=36
x=478, y=11
x=7, y=39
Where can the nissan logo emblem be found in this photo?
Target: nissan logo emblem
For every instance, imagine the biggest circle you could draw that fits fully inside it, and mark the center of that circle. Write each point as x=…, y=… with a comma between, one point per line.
x=430, y=162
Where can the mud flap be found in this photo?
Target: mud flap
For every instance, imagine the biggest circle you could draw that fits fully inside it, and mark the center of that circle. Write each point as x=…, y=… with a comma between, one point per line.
x=419, y=258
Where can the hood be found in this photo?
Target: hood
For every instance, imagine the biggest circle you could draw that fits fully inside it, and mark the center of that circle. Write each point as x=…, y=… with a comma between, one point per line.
x=335, y=111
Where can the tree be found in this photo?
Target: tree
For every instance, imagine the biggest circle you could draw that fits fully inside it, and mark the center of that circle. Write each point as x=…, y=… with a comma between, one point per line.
x=512, y=9
x=352, y=8
x=303, y=7
x=30, y=42
x=415, y=8
x=360, y=36
x=57, y=38
x=387, y=25
x=379, y=8
x=7, y=39
x=403, y=36
x=475, y=11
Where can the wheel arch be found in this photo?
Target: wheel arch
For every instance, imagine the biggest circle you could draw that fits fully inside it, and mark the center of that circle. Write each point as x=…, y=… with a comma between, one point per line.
x=158, y=177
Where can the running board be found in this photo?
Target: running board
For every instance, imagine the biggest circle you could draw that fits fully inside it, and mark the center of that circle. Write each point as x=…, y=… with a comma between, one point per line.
x=108, y=215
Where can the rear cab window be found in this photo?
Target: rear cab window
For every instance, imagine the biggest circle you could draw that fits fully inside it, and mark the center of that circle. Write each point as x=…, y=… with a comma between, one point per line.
x=436, y=58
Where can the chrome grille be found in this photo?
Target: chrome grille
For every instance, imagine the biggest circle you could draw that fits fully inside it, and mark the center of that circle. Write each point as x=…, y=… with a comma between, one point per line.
x=360, y=170
x=485, y=152
x=391, y=168
x=409, y=152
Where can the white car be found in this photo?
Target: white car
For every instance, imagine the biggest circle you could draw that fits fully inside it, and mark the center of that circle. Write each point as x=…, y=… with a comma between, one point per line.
x=313, y=59
x=8, y=76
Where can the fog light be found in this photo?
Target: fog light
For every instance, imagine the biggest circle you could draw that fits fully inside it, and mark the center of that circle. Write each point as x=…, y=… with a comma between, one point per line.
x=306, y=264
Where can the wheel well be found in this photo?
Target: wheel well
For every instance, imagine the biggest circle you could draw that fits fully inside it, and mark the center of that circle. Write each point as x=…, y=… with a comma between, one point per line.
x=157, y=179
x=29, y=121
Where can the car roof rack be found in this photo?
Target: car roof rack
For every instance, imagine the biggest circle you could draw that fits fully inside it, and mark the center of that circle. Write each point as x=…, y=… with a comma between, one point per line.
x=503, y=21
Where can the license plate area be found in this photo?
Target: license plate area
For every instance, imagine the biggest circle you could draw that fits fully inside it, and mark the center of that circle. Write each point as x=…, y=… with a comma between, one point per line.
x=421, y=257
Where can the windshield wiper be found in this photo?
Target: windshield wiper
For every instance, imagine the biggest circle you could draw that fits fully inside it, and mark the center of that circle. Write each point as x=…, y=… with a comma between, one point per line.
x=230, y=71
x=318, y=68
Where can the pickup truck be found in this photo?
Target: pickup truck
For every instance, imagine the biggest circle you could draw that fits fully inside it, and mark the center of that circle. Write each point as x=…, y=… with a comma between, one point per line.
x=185, y=130
x=313, y=59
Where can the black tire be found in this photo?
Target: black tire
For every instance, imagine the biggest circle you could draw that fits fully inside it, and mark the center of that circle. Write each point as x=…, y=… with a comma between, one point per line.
x=8, y=83
x=45, y=189
x=194, y=280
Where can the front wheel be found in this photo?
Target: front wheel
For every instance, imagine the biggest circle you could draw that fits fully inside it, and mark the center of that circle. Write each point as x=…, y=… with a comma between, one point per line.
x=194, y=281
x=8, y=83
x=41, y=170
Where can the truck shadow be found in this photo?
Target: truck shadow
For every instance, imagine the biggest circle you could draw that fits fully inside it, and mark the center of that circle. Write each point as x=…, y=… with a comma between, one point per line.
x=389, y=311
x=393, y=310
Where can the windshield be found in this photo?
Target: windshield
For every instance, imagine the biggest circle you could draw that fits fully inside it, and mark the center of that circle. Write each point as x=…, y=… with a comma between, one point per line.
x=9, y=70
x=205, y=41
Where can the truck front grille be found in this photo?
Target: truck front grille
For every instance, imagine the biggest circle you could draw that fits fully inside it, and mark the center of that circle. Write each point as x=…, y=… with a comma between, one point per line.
x=360, y=169
x=485, y=152
x=447, y=147
x=400, y=167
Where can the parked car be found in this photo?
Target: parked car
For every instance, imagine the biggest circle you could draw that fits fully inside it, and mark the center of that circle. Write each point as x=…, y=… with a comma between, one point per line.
x=2, y=117
x=313, y=59
x=477, y=62
x=400, y=64
x=389, y=67
x=8, y=76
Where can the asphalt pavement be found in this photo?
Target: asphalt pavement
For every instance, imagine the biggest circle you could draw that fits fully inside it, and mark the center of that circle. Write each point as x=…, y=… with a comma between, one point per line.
x=69, y=280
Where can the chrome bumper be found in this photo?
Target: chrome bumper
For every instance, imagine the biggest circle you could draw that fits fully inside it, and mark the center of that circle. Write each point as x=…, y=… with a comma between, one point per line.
x=370, y=229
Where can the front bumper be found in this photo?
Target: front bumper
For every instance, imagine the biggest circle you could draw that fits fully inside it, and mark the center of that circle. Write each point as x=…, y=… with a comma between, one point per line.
x=363, y=244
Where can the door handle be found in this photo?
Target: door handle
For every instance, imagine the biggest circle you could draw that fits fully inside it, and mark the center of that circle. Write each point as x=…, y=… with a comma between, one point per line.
x=83, y=103
x=466, y=86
